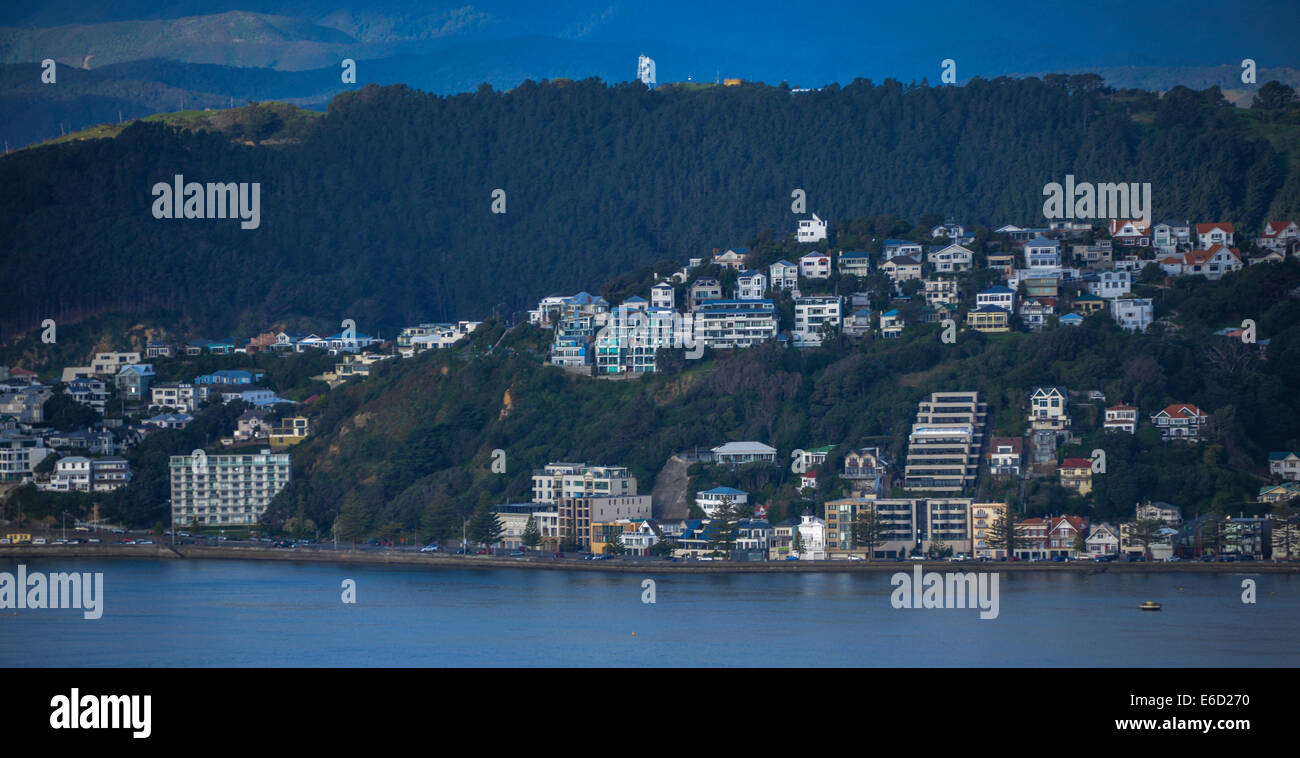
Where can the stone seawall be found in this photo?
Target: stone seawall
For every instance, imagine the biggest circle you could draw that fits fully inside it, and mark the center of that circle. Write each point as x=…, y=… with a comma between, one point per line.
x=16, y=554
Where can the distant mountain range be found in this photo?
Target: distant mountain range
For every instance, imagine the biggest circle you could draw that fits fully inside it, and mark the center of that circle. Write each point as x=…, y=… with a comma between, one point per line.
x=138, y=58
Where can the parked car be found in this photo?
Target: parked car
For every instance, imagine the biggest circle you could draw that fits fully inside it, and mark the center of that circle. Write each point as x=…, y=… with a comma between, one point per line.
x=916, y=557
x=430, y=549
x=94, y=541
x=515, y=554
x=38, y=541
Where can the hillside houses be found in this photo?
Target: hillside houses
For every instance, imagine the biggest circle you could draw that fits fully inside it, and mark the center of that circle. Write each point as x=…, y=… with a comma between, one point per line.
x=1130, y=232
x=1211, y=263
x=901, y=268
x=815, y=266
x=1211, y=234
x=950, y=259
x=1279, y=236
x=811, y=230
x=1180, y=421
x=784, y=275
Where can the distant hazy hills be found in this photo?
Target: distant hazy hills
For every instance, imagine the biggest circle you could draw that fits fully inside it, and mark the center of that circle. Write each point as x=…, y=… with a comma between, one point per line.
x=149, y=57
x=232, y=39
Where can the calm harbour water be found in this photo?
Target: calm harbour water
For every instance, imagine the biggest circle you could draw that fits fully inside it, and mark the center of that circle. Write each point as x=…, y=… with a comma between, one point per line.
x=231, y=613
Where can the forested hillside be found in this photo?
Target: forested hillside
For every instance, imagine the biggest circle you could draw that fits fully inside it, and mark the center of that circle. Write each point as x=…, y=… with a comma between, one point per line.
x=382, y=212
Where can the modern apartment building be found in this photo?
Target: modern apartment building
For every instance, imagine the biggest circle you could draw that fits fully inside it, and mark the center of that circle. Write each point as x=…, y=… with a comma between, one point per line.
x=810, y=314
x=908, y=524
x=225, y=490
x=724, y=324
x=557, y=481
x=577, y=514
x=19, y=455
x=944, y=445
x=629, y=341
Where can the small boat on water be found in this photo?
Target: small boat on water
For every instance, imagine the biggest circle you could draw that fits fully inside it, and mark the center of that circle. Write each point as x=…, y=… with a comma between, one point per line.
x=1149, y=606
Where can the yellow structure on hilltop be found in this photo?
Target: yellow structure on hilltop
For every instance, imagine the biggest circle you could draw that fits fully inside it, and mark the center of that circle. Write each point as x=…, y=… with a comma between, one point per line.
x=290, y=431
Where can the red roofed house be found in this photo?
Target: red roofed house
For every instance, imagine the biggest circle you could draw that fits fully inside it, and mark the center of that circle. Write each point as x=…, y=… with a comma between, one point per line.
x=1180, y=421
x=1130, y=232
x=1215, y=233
x=1278, y=235
x=21, y=373
x=1061, y=534
x=808, y=480
x=1121, y=418
x=1076, y=474
x=1211, y=264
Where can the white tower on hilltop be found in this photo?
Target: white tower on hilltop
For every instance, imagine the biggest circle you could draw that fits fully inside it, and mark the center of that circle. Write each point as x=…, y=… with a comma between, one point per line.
x=645, y=71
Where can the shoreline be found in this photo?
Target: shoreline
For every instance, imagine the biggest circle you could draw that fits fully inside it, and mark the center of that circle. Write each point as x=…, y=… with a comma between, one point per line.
x=203, y=552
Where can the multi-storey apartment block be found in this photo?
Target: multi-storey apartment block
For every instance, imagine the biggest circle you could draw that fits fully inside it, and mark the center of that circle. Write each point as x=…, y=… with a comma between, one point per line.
x=944, y=445
x=810, y=316
x=560, y=480
x=724, y=324
x=225, y=490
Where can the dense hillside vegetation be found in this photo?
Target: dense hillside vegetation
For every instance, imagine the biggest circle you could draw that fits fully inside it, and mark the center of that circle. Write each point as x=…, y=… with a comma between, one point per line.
x=382, y=212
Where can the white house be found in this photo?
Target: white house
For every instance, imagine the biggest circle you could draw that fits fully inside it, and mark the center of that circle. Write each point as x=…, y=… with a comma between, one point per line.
x=997, y=296
x=71, y=474
x=951, y=259
x=1130, y=232
x=1167, y=235
x=811, y=230
x=1112, y=284
x=1133, y=313
x=1103, y=539
x=810, y=313
x=711, y=500
x=1213, y=233
x=1278, y=235
x=1041, y=252
x=1121, y=418
x=784, y=275
x=950, y=229
x=812, y=535
x=894, y=248
x=1180, y=421
x=662, y=295
x=855, y=263
x=1285, y=465
x=1048, y=409
x=735, y=453
x=815, y=266
x=1211, y=264
x=902, y=268
x=751, y=285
